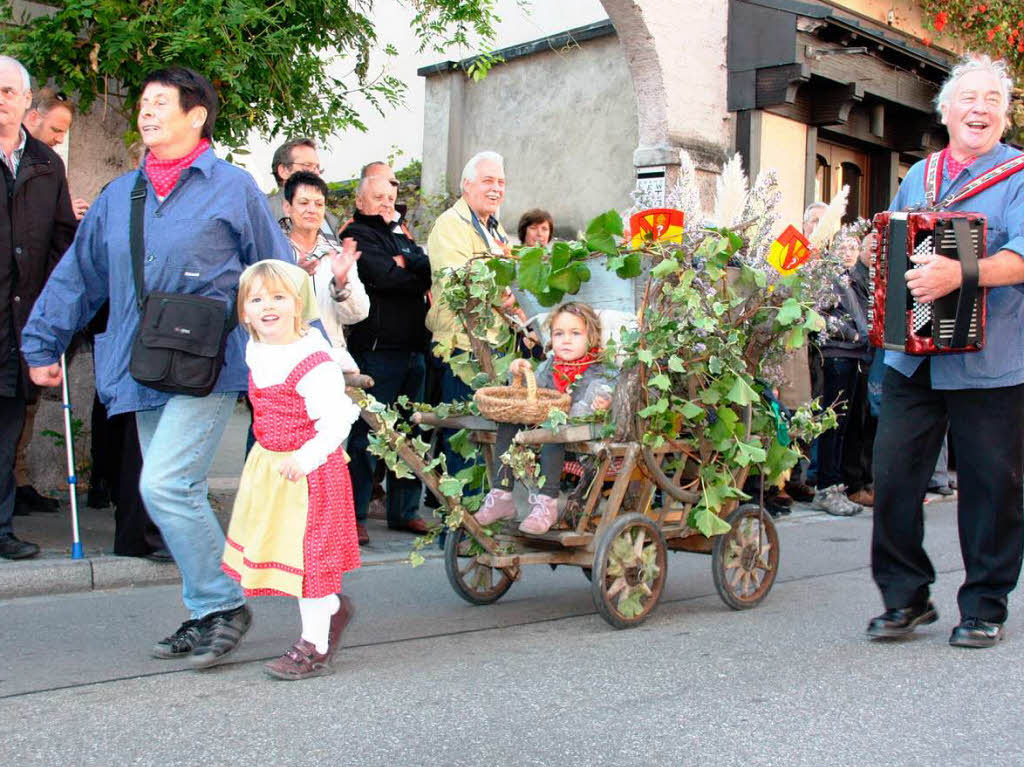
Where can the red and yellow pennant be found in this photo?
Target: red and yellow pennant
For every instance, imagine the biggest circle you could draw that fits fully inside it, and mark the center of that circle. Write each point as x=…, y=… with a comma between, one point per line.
x=657, y=225
x=789, y=251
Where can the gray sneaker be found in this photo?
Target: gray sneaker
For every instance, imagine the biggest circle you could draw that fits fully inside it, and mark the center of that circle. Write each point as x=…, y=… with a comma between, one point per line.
x=219, y=635
x=833, y=500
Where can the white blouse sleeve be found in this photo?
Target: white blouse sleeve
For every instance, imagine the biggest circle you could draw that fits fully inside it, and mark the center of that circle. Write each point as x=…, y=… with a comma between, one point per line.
x=353, y=309
x=332, y=412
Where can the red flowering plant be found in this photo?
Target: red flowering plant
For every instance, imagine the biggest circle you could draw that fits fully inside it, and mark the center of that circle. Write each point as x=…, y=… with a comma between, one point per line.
x=995, y=27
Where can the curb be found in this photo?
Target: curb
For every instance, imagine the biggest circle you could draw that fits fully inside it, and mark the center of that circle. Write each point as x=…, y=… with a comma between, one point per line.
x=50, y=575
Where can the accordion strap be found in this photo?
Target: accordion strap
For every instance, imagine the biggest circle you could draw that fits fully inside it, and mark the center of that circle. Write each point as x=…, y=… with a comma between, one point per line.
x=991, y=177
x=968, y=283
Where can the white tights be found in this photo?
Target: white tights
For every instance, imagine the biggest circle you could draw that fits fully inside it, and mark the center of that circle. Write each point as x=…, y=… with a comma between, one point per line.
x=316, y=619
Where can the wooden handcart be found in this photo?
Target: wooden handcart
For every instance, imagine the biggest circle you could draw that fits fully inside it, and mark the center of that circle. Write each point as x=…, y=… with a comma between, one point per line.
x=627, y=512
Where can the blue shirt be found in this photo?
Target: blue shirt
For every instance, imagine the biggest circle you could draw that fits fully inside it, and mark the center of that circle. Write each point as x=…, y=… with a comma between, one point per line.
x=213, y=224
x=1001, y=361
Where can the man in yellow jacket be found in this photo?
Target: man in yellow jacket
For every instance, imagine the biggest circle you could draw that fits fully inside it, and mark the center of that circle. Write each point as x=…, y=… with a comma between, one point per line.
x=469, y=228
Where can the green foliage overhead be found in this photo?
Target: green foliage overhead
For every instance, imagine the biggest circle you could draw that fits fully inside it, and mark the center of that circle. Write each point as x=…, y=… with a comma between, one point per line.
x=270, y=60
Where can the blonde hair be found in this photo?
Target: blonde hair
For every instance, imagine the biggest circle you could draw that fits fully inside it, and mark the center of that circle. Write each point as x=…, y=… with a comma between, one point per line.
x=579, y=309
x=272, y=275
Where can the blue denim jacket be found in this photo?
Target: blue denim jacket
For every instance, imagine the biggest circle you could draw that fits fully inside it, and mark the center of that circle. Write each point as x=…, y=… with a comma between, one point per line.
x=213, y=224
x=1001, y=362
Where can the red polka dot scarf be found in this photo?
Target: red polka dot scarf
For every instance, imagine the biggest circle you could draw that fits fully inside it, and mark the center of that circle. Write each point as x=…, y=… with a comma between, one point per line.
x=164, y=174
x=566, y=372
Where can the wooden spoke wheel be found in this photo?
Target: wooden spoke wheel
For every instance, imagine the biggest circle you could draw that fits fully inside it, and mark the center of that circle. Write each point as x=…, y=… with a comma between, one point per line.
x=745, y=561
x=629, y=570
x=477, y=583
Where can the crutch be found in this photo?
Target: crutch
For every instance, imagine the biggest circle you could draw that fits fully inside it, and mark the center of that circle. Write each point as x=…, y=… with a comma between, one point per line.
x=76, y=541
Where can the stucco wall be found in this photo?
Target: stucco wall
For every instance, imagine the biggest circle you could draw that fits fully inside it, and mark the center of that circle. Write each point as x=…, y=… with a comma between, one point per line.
x=565, y=122
x=783, y=148
x=904, y=15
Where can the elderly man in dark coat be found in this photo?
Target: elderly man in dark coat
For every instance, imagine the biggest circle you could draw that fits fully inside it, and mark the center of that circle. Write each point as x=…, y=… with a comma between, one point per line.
x=36, y=226
x=388, y=345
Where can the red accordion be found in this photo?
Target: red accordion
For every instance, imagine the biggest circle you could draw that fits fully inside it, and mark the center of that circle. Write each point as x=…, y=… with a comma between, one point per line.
x=953, y=323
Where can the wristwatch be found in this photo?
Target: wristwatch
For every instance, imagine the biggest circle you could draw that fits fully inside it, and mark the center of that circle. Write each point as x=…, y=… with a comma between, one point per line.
x=338, y=295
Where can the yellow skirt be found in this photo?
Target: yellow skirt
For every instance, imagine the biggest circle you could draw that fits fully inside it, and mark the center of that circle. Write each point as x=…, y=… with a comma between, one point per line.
x=264, y=549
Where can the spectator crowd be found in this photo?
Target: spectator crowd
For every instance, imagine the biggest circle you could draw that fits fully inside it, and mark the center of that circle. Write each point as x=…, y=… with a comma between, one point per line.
x=359, y=291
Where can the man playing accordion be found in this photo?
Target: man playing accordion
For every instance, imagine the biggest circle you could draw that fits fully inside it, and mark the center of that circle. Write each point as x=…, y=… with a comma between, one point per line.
x=978, y=395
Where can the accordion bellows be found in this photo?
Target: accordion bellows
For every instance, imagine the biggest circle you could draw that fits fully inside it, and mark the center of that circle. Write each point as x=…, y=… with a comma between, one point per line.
x=953, y=323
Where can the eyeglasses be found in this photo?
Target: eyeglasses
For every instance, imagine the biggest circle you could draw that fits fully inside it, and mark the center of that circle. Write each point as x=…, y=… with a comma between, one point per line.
x=312, y=167
x=393, y=182
x=60, y=96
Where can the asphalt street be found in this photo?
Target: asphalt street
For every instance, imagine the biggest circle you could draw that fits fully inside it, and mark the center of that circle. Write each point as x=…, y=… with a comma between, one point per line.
x=536, y=679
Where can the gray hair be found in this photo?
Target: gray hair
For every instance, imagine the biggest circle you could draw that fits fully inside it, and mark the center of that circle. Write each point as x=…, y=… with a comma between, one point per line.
x=365, y=181
x=975, y=62
x=24, y=72
x=813, y=207
x=469, y=172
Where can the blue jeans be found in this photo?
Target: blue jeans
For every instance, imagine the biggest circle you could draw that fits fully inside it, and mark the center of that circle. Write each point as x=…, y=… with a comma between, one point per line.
x=394, y=373
x=179, y=441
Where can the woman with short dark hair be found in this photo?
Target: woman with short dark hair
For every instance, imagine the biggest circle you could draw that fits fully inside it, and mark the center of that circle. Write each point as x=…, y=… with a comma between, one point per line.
x=536, y=227
x=204, y=221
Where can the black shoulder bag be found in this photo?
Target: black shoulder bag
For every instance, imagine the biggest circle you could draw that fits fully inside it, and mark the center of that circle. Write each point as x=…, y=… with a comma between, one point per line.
x=179, y=347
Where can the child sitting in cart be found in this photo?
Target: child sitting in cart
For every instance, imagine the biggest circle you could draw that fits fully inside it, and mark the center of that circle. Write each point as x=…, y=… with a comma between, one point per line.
x=293, y=527
x=574, y=366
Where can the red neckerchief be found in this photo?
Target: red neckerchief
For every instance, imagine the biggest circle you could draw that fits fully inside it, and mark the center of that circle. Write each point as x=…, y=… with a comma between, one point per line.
x=953, y=167
x=567, y=372
x=164, y=174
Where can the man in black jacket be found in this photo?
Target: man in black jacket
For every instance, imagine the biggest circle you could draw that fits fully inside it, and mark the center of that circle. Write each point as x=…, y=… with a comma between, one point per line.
x=37, y=225
x=388, y=345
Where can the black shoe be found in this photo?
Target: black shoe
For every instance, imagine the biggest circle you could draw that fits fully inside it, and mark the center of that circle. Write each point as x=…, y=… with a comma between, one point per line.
x=180, y=643
x=13, y=548
x=98, y=497
x=897, y=623
x=32, y=498
x=220, y=634
x=974, y=632
x=941, y=490
x=800, y=491
x=776, y=509
x=160, y=555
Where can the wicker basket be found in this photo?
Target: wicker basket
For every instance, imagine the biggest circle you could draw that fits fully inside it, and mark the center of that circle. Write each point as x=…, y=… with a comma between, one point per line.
x=514, y=404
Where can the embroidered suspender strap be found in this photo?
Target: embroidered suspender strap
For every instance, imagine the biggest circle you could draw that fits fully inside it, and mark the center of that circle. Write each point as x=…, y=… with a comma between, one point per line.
x=985, y=180
x=933, y=174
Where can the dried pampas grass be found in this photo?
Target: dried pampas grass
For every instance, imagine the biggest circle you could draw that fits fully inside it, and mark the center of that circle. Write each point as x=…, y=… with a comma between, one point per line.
x=730, y=193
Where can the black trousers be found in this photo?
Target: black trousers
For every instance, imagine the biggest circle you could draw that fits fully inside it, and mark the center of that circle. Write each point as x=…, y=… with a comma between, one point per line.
x=860, y=436
x=987, y=430
x=117, y=461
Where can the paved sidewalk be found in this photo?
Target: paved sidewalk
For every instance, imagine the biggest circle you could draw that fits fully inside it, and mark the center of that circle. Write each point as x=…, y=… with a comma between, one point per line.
x=54, y=572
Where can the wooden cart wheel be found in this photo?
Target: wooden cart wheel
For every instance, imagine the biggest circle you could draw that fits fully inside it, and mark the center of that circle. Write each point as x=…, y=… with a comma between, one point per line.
x=629, y=570
x=478, y=584
x=745, y=561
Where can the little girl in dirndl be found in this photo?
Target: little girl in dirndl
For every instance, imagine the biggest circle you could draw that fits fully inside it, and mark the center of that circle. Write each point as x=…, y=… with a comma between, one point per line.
x=574, y=366
x=293, y=530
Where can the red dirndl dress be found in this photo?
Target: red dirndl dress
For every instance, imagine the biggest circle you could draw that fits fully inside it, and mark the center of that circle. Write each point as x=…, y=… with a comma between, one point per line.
x=290, y=538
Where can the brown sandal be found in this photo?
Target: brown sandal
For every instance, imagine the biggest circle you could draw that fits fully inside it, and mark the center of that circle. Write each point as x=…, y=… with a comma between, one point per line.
x=302, y=661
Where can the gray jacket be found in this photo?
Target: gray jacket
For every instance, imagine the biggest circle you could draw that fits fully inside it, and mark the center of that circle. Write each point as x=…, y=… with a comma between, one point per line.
x=595, y=380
